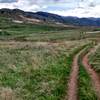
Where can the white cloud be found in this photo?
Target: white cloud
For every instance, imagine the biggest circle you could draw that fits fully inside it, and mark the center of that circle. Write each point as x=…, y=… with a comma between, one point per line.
x=21, y=4
x=87, y=8
x=80, y=12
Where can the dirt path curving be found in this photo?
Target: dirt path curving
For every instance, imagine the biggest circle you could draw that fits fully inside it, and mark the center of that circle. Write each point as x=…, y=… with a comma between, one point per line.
x=72, y=91
x=73, y=82
x=94, y=76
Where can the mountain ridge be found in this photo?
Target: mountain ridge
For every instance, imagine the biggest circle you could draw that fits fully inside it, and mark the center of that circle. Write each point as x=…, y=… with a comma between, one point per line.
x=49, y=17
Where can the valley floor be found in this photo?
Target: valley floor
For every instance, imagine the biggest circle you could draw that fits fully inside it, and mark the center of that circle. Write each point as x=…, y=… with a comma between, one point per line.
x=48, y=62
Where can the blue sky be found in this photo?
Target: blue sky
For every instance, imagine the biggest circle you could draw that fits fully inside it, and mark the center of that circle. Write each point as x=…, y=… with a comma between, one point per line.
x=80, y=8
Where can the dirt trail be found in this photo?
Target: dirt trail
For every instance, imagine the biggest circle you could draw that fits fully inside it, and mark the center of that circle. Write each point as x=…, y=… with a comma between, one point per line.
x=73, y=79
x=94, y=76
x=73, y=82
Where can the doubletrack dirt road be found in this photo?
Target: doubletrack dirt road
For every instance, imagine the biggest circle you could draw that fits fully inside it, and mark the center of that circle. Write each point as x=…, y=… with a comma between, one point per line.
x=72, y=93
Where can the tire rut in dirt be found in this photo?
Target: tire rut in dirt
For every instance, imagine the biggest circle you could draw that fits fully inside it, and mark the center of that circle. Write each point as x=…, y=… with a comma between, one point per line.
x=94, y=76
x=72, y=93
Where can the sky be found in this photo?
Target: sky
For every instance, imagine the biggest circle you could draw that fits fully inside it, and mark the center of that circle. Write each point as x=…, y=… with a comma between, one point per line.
x=79, y=8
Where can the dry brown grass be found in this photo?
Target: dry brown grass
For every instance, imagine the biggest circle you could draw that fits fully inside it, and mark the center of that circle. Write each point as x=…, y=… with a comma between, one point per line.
x=7, y=94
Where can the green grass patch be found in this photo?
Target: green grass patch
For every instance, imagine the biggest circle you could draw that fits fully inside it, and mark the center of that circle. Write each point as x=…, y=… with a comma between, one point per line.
x=34, y=73
x=86, y=91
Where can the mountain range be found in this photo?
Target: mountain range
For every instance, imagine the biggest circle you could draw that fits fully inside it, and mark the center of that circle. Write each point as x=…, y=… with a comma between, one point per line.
x=17, y=14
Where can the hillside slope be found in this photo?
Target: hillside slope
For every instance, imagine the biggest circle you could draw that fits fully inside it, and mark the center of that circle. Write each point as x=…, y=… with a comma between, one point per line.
x=18, y=14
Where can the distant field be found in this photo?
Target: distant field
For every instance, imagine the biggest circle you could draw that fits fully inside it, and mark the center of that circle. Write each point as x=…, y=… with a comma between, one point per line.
x=40, y=32
x=35, y=32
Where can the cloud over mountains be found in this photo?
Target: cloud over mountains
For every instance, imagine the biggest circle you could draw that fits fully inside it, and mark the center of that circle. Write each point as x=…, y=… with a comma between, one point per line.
x=80, y=8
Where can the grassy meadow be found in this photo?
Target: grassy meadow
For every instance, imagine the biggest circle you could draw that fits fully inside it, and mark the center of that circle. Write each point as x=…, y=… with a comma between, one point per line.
x=35, y=71
x=36, y=60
